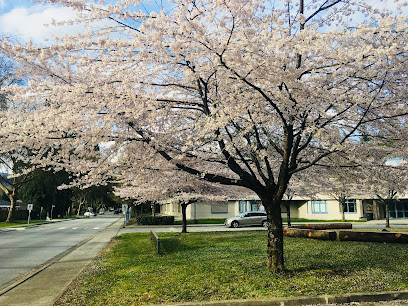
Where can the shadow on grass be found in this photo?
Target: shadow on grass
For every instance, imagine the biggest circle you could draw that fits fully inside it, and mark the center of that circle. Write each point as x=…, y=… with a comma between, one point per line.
x=343, y=257
x=169, y=245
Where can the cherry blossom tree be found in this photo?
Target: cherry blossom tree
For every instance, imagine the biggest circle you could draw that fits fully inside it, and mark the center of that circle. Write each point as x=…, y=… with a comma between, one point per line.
x=340, y=178
x=158, y=184
x=303, y=186
x=234, y=92
x=387, y=181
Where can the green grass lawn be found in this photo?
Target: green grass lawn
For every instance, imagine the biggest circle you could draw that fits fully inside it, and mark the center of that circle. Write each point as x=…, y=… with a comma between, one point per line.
x=231, y=265
x=20, y=222
x=24, y=222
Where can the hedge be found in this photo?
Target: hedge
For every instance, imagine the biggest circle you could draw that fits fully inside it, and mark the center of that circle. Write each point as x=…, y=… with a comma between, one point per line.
x=155, y=220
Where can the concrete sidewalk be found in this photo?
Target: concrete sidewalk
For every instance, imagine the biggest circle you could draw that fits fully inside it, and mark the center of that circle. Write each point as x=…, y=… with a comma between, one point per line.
x=44, y=287
x=392, y=222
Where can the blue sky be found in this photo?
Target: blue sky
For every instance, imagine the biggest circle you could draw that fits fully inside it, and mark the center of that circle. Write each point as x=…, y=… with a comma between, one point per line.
x=25, y=20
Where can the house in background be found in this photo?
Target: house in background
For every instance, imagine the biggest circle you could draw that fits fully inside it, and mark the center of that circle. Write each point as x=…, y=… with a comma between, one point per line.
x=5, y=205
x=323, y=207
x=218, y=210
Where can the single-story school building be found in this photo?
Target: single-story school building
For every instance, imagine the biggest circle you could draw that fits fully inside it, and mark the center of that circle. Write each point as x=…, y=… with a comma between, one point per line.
x=321, y=208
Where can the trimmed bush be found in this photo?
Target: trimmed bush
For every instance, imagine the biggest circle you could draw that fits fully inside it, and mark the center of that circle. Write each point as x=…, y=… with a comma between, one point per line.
x=155, y=220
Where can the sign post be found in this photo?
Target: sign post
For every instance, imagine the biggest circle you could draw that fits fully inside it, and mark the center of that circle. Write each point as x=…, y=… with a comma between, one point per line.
x=29, y=208
x=52, y=208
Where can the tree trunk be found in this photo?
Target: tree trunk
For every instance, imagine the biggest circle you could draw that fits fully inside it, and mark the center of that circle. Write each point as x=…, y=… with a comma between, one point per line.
x=387, y=213
x=275, y=236
x=81, y=202
x=341, y=205
x=183, y=213
x=10, y=216
x=153, y=206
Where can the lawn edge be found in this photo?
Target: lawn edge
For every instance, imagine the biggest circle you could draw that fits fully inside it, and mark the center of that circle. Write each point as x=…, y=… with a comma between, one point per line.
x=307, y=300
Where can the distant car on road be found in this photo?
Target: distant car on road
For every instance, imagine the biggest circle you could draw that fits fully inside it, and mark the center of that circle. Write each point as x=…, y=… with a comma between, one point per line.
x=89, y=214
x=248, y=219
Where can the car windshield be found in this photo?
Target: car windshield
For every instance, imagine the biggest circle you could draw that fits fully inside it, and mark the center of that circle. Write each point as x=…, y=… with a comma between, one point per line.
x=242, y=215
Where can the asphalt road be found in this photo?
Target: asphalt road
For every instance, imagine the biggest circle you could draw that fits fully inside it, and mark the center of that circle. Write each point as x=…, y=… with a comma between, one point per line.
x=25, y=249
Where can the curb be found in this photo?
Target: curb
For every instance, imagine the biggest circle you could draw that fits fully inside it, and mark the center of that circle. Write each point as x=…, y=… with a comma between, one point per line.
x=308, y=300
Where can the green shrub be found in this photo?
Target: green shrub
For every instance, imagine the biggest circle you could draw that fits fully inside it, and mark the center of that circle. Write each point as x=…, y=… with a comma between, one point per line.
x=155, y=220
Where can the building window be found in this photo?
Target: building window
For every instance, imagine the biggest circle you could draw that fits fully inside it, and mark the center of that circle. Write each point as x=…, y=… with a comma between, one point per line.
x=221, y=208
x=399, y=209
x=350, y=206
x=319, y=207
x=254, y=205
x=242, y=206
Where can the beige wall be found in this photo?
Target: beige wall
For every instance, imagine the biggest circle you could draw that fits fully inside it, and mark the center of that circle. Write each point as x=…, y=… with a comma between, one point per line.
x=200, y=210
x=298, y=209
x=333, y=211
x=204, y=210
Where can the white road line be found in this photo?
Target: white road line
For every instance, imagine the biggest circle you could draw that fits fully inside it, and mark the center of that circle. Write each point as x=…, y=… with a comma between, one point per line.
x=96, y=228
x=74, y=228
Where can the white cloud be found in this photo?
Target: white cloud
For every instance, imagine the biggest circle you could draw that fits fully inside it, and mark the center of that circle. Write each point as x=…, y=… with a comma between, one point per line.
x=28, y=23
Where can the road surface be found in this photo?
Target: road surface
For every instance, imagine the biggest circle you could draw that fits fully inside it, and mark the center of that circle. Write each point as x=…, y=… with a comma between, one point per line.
x=25, y=249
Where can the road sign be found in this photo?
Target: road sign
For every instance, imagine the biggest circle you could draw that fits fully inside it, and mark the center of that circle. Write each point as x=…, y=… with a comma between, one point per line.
x=29, y=208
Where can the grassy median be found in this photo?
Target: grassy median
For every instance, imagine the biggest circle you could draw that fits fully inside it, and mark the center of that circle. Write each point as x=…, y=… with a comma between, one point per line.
x=231, y=265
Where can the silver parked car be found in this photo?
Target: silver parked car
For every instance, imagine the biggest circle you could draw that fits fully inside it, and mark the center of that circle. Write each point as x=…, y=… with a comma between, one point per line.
x=247, y=219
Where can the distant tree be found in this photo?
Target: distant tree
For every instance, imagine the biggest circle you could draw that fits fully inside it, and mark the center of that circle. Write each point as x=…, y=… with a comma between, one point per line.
x=11, y=182
x=388, y=182
x=41, y=189
x=341, y=182
x=96, y=197
x=10, y=161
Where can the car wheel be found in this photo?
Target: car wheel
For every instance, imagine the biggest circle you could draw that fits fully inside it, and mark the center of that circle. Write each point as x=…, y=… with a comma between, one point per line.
x=235, y=224
x=264, y=223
